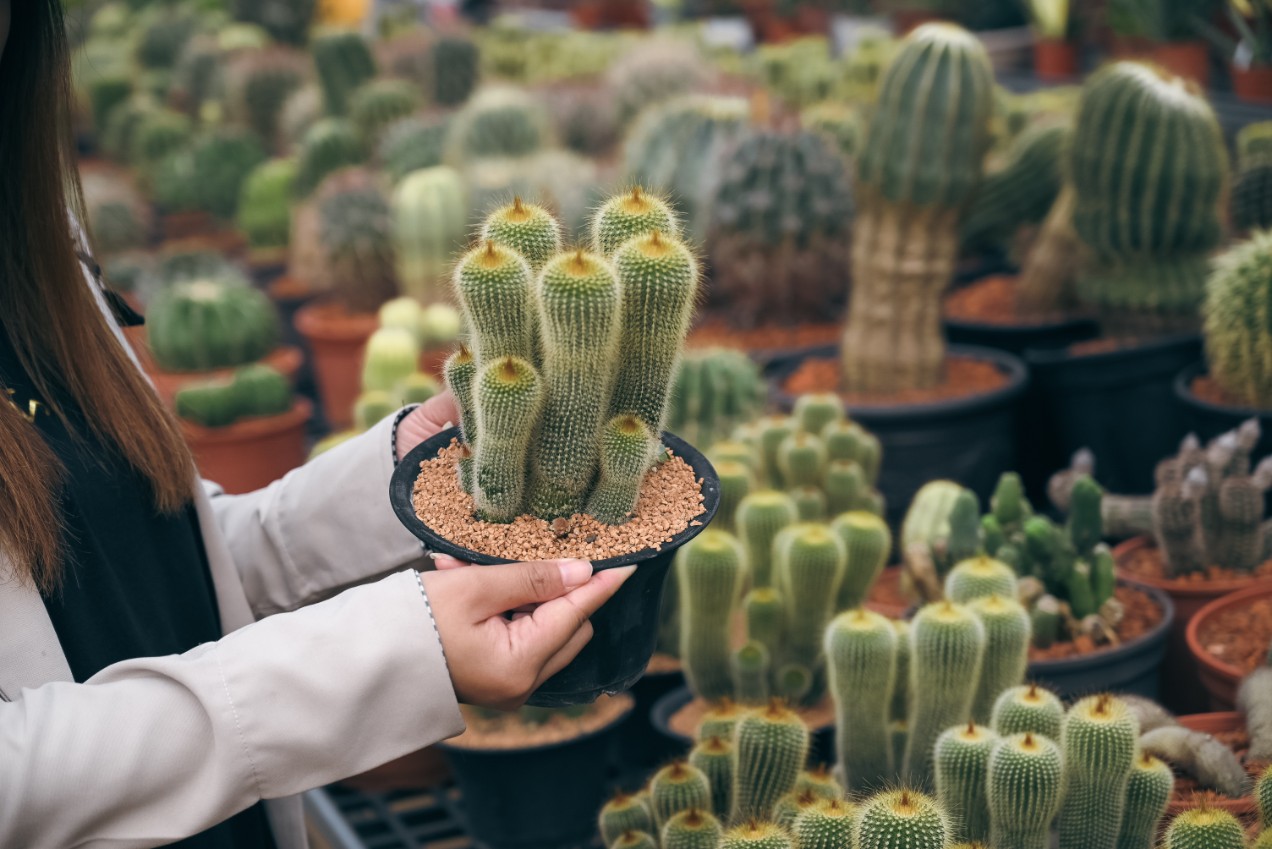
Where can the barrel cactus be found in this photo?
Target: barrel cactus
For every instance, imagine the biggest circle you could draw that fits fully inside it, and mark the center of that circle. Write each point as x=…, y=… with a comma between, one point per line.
x=119, y=219
x=259, y=82
x=1021, y=192
x=264, y=213
x=1238, y=322
x=355, y=237
x=327, y=146
x=377, y=104
x=410, y=144
x=344, y=62
x=221, y=161
x=455, y=69
x=1252, y=181
x=497, y=122
x=902, y=818
x=1204, y=828
x=210, y=323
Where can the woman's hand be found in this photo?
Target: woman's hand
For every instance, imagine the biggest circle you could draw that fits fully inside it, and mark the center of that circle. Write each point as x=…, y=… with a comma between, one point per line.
x=497, y=661
x=425, y=421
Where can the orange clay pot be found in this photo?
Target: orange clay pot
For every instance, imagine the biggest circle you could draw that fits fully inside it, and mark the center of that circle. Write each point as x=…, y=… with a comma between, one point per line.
x=336, y=340
x=1253, y=84
x=1188, y=59
x=252, y=453
x=1221, y=679
x=284, y=359
x=1055, y=59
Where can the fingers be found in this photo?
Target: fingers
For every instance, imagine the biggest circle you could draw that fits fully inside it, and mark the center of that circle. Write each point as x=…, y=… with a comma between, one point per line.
x=507, y=587
x=546, y=632
x=442, y=562
x=439, y=411
x=565, y=654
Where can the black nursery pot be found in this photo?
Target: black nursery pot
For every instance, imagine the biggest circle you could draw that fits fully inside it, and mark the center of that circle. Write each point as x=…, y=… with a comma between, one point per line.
x=1208, y=420
x=541, y=797
x=1019, y=338
x=625, y=629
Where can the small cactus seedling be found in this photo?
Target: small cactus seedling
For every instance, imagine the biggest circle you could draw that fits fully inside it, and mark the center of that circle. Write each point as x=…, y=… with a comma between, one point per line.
x=902, y=818
x=1099, y=741
x=1025, y=787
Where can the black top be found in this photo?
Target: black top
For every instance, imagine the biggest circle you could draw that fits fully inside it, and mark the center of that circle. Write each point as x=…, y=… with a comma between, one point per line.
x=135, y=583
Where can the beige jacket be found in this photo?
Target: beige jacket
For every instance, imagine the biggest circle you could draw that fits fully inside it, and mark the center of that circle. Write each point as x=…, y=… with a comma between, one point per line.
x=299, y=693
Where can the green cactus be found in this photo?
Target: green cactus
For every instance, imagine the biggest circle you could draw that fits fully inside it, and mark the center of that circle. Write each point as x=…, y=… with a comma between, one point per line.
x=264, y=211
x=902, y=818
x=714, y=757
x=900, y=708
x=634, y=840
x=714, y=391
x=810, y=503
x=119, y=219
x=286, y=20
x=867, y=542
x=372, y=406
x=736, y=482
x=765, y=615
x=979, y=577
x=622, y=814
x=771, y=432
x=1147, y=205
x=770, y=748
x=756, y=835
x=720, y=720
x=429, y=209
x=219, y=163
x=1007, y=631
x=580, y=307
x=259, y=83
x=1263, y=797
x=827, y=824
x=789, y=807
x=1022, y=191
x=675, y=788
x=1026, y=786
x=455, y=68
x=961, y=757
x=527, y=228
x=355, y=227
x=1238, y=342
x=1204, y=828
x=625, y=444
x=692, y=829
x=861, y=653
x=377, y=104
x=328, y=146
x=210, y=323
x=157, y=134
x=495, y=289
x=344, y=63
x=625, y=216
x=164, y=34
x=847, y=489
x=210, y=404
x=751, y=665
x=710, y=575
x=460, y=372
x=1099, y=740
x=1147, y=797
x=410, y=144
x=508, y=396
x=849, y=441
x=760, y=517
x=391, y=355
x=801, y=457
x=1028, y=708
x=416, y=388
x=919, y=165
x=655, y=70
x=809, y=562
x=947, y=646
x=1252, y=182
x=497, y=122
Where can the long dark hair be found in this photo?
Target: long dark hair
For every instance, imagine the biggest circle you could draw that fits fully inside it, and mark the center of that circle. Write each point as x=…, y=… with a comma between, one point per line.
x=51, y=315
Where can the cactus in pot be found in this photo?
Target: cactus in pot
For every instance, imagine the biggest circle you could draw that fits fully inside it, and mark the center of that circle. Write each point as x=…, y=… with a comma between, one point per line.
x=411, y=144
x=344, y=63
x=264, y=213
x=376, y=104
x=1238, y=322
x=913, y=182
x=259, y=82
x=429, y=208
x=255, y=391
x=354, y=233
x=327, y=146
x=208, y=323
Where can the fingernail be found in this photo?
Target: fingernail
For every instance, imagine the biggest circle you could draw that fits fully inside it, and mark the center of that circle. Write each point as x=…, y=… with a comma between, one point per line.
x=574, y=573
x=623, y=572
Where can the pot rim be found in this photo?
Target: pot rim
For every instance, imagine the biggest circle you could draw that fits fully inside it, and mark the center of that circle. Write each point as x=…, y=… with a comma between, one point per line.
x=347, y=328
x=402, y=483
x=447, y=746
x=1144, y=642
x=682, y=696
x=1183, y=392
x=1172, y=586
x=1234, y=599
x=251, y=429
x=284, y=358
x=1063, y=355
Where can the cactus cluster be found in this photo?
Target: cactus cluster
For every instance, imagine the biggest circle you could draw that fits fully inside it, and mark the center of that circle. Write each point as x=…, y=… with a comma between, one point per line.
x=715, y=390
x=208, y=323
x=411, y=144
x=259, y=82
x=780, y=224
x=1238, y=322
x=254, y=391
x=377, y=104
x=579, y=346
x=1252, y=180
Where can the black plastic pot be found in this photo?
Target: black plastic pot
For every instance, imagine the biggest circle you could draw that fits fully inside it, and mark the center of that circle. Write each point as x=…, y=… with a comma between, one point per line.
x=1118, y=403
x=625, y=629
x=540, y=797
x=821, y=750
x=1209, y=420
x=1019, y=338
x=1133, y=668
x=641, y=747
x=970, y=440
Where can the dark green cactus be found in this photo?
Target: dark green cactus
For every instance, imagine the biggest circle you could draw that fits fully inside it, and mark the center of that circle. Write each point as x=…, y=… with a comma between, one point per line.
x=770, y=748
x=157, y=134
x=1028, y=708
x=1099, y=741
x=902, y=818
x=622, y=814
x=961, y=757
x=495, y=289
x=625, y=216
x=1147, y=797
x=259, y=82
x=210, y=405
x=286, y=20
x=356, y=237
x=624, y=458
x=218, y=163
x=714, y=756
x=827, y=824
x=692, y=829
x=328, y=146
x=455, y=69
x=460, y=372
x=410, y=144
x=344, y=63
x=210, y=323
x=1022, y=191
x=1007, y=632
x=1205, y=828
x=760, y=517
x=1238, y=343
x=1026, y=787
x=710, y=574
x=508, y=396
x=377, y=104
x=714, y=391
x=164, y=34
x=861, y=652
x=675, y=788
x=264, y=213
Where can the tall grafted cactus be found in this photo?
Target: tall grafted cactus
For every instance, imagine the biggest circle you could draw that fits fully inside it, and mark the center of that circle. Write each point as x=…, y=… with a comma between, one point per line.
x=344, y=63
x=429, y=210
x=962, y=767
x=770, y=748
x=508, y=396
x=1026, y=786
x=919, y=165
x=710, y=573
x=1148, y=166
x=861, y=650
x=1238, y=322
x=1099, y=741
x=902, y=818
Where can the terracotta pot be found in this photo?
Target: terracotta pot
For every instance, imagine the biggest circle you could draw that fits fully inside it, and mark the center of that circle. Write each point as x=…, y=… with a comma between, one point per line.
x=1253, y=84
x=286, y=360
x=1244, y=808
x=183, y=225
x=1188, y=59
x=1180, y=691
x=1220, y=678
x=222, y=240
x=252, y=453
x=336, y=341
x=1055, y=59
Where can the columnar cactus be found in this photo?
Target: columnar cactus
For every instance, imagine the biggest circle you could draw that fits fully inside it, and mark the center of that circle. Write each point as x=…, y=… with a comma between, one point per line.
x=961, y=757
x=633, y=213
x=622, y=814
x=508, y=395
x=1147, y=797
x=1028, y=708
x=497, y=122
x=327, y=146
x=1148, y=166
x=355, y=226
x=919, y=166
x=861, y=652
x=770, y=748
x=902, y=818
x=1026, y=786
x=714, y=757
x=377, y=104
x=1204, y=828
x=760, y=517
x=1263, y=797
x=751, y=665
x=867, y=542
x=344, y=63
x=429, y=209
x=1022, y=191
x=1099, y=742
x=219, y=162
x=460, y=372
x=264, y=213
x=1252, y=182
x=675, y=788
x=810, y=563
x=736, y=482
x=802, y=460
x=410, y=144
x=1237, y=328
x=765, y=615
x=710, y=574
x=392, y=354
x=979, y=577
x=692, y=829
x=527, y=228
x=720, y=720
x=210, y=323
x=1007, y=631
x=625, y=444
x=756, y=835
x=714, y=391
x=495, y=289
x=259, y=82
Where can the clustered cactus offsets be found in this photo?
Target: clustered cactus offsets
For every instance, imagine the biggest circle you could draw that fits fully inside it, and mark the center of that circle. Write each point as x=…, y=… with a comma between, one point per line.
x=573, y=351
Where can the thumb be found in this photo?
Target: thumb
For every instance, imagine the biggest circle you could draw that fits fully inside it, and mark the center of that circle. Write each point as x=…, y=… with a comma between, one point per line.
x=544, y=634
x=509, y=586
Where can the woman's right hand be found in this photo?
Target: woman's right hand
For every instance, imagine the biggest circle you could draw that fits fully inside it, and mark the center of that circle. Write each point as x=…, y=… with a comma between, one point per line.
x=496, y=661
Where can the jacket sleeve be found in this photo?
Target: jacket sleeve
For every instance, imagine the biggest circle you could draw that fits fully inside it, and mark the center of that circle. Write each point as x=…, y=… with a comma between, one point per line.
x=322, y=527
x=152, y=750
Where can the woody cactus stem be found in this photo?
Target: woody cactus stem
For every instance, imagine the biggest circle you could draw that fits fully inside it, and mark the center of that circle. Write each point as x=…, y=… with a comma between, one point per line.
x=921, y=162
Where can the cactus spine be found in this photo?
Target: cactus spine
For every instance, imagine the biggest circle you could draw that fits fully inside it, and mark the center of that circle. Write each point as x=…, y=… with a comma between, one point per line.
x=622, y=814
x=710, y=574
x=1099, y=740
x=902, y=818
x=1147, y=797
x=1028, y=708
x=828, y=824
x=624, y=458
x=961, y=757
x=1026, y=786
x=771, y=747
x=429, y=209
x=861, y=650
x=1205, y=828
x=508, y=396
x=675, y=788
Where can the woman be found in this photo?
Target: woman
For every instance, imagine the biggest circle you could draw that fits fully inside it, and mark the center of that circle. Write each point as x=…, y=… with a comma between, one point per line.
x=170, y=656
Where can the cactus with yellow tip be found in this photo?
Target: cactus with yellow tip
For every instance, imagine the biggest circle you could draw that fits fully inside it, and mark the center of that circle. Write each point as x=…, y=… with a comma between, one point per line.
x=1026, y=786
x=770, y=748
x=1147, y=797
x=861, y=652
x=902, y=818
x=710, y=574
x=1099, y=740
x=633, y=213
x=962, y=757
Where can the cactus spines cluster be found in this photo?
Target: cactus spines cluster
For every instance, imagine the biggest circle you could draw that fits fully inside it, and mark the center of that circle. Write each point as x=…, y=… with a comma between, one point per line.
x=429, y=208
x=508, y=395
x=947, y=647
x=827, y=824
x=695, y=828
x=344, y=62
x=355, y=226
x=633, y=213
x=624, y=458
x=210, y=323
x=1263, y=797
x=714, y=757
x=1026, y=786
x=1022, y=191
x=677, y=787
x=1007, y=631
x=754, y=834
x=327, y=146
x=527, y=228
x=902, y=818
x=771, y=747
x=761, y=516
x=979, y=577
x=1204, y=828
x=710, y=573
x=919, y=165
x=1238, y=328
x=1028, y=708
x=1147, y=187
x=867, y=543
x=1099, y=741
x=1147, y=797
x=624, y=813
x=961, y=757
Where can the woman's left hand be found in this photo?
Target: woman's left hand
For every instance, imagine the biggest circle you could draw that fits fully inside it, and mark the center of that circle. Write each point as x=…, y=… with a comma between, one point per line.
x=425, y=421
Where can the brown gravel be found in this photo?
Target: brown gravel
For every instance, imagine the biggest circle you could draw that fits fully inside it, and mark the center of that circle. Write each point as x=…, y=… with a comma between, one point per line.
x=964, y=376
x=507, y=731
x=992, y=300
x=770, y=338
x=1206, y=388
x=1142, y=615
x=1147, y=562
x=686, y=720
x=669, y=500
x=1239, y=636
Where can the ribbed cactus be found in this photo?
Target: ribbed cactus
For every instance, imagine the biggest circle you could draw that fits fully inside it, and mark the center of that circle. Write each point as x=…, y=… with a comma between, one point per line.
x=751, y=665
x=695, y=828
x=344, y=62
x=327, y=146
x=527, y=228
x=1147, y=797
x=1022, y=191
x=770, y=748
x=675, y=788
x=495, y=288
x=918, y=168
x=961, y=757
x=780, y=228
x=376, y=104
x=1205, y=828
x=1263, y=797
x=902, y=818
x=801, y=457
x=1026, y=786
x=655, y=70
x=847, y=489
x=356, y=237
x=622, y=814
x=947, y=645
x=392, y=353
x=455, y=69
x=633, y=213
x=264, y=213
x=429, y=209
x=789, y=807
x=760, y=517
x=634, y=840
x=508, y=396
x=710, y=575
x=809, y=565
x=828, y=824
x=816, y=411
x=1148, y=166
x=254, y=391
x=1028, y=708
x=1237, y=328
x=714, y=391
x=259, y=82
x=979, y=577
x=720, y=720
x=850, y=442
x=736, y=482
x=1099, y=741
x=220, y=161
x=1252, y=182
x=210, y=323
x=714, y=757
x=497, y=122
x=625, y=444
x=411, y=143
x=1007, y=631
x=861, y=652
x=756, y=835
